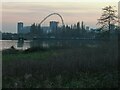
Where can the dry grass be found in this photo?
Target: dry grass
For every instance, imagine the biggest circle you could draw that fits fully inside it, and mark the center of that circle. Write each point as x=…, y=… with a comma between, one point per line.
x=83, y=67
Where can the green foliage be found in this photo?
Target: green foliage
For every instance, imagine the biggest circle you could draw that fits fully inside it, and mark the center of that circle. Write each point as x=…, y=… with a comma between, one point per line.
x=30, y=56
x=83, y=67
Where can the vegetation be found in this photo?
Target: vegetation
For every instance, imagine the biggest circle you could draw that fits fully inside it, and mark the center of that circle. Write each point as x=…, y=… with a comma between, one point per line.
x=83, y=67
x=108, y=17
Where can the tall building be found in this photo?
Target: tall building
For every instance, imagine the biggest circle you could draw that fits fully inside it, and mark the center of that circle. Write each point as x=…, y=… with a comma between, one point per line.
x=53, y=25
x=20, y=27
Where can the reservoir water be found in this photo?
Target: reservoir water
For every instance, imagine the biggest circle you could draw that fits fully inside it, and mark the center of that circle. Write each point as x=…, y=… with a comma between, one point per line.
x=6, y=44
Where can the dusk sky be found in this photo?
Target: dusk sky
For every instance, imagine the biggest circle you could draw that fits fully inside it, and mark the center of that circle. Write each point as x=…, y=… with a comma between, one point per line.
x=34, y=12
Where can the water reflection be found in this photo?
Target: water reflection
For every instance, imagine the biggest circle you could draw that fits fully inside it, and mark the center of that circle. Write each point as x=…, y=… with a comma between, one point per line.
x=23, y=45
x=63, y=43
x=20, y=43
x=53, y=43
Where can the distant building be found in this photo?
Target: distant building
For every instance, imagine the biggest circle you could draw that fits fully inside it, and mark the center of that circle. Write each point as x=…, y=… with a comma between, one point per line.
x=53, y=25
x=26, y=29
x=46, y=29
x=87, y=28
x=22, y=29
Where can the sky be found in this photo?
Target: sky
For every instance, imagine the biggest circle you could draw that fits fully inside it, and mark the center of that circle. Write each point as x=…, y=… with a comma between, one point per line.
x=72, y=11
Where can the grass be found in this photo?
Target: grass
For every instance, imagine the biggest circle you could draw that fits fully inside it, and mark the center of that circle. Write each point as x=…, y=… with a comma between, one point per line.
x=83, y=67
x=29, y=56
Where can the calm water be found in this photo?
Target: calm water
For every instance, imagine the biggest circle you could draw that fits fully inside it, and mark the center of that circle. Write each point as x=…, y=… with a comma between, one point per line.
x=5, y=44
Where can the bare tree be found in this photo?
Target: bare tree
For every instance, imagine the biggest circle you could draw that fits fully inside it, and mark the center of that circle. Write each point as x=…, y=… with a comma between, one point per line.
x=108, y=17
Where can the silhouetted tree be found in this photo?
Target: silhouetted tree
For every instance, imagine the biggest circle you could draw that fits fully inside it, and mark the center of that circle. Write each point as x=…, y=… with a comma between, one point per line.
x=74, y=26
x=39, y=29
x=108, y=17
x=33, y=28
x=82, y=27
x=78, y=26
